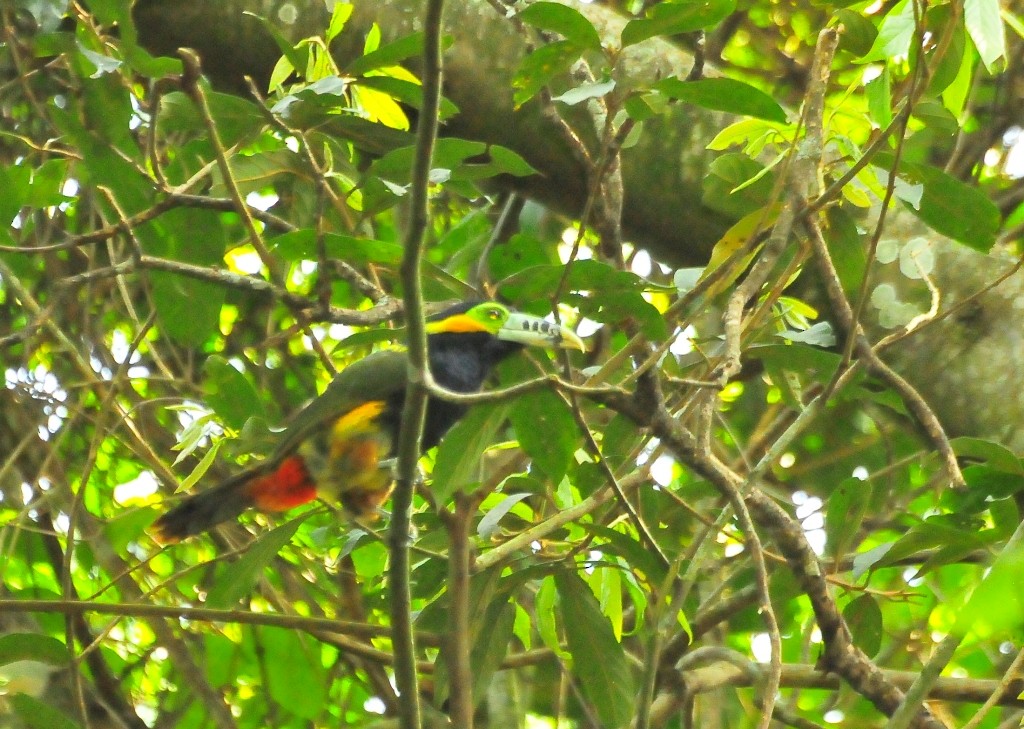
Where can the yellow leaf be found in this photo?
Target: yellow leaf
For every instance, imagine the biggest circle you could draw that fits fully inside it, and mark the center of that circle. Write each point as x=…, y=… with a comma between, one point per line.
x=379, y=107
x=856, y=196
x=733, y=242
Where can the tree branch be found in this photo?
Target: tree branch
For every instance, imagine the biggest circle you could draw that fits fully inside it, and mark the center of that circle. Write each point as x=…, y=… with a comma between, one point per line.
x=415, y=406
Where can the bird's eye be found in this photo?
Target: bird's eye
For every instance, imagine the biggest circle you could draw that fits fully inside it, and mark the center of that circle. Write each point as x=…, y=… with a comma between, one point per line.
x=494, y=314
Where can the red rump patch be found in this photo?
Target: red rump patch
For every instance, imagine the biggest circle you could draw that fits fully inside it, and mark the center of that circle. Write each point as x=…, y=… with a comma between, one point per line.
x=287, y=487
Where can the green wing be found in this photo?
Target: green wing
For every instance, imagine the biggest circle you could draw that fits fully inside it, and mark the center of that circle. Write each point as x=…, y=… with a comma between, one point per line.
x=375, y=377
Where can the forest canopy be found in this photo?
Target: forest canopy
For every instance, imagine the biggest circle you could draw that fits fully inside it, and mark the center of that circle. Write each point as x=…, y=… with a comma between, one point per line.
x=781, y=486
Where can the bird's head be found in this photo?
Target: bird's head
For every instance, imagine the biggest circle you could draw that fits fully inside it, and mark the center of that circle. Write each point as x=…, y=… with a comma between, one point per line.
x=503, y=324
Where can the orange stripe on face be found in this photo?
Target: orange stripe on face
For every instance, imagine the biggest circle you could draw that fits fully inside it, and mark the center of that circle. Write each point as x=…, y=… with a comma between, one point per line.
x=458, y=324
x=287, y=487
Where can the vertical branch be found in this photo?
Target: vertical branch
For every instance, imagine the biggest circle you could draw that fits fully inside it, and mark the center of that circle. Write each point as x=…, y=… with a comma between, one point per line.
x=414, y=409
x=457, y=642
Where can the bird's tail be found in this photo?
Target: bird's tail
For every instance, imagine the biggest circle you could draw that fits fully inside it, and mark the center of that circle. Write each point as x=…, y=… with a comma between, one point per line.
x=267, y=488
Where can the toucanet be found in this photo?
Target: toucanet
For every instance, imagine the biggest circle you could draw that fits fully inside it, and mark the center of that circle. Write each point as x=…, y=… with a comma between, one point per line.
x=337, y=446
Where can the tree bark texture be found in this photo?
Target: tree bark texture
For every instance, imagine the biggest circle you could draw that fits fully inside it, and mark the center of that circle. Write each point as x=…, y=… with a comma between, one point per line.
x=661, y=174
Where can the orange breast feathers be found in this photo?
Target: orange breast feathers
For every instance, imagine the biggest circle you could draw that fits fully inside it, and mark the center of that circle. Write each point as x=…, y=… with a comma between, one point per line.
x=285, y=488
x=340, y=463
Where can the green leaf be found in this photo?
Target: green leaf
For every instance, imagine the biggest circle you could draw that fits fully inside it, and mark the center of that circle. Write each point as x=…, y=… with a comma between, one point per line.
x=817, y=335
x=844, y=243
x=33, y=647
x=16, y=183
x=297, y=56
x=538, y=68
x=544, y=609
x=986, y=30
x=374, y=138
x=229, y=393
x=816, y=364
x=858, y=34
x=489, y=522
x=672, y=18
x=894, y=35
x=584, y=92
x=986, y=482
x=201, y=468
x=459, y=455
x=103, y=64
x=463, y=158
x=640, y=107
x=339, y=16
x=864, y=617
x=957, y=210
x=955, y=552
x=1005, y=517
x=493, y=161
x=627, y=547
x=128, y=526
x=995, y=454
x=726, y=188
x=598, y=659
x=294, y=673
x=38, y=714
x=936, y=117
x=565, y=21
x=537, y=282
x=950, y=207
x=47, y=181
x=935, y=532
x=879, y=96
x=518, y=253
x=847, y=506
x=997, y=604
x=753, y=134
x=546, y=431
x=491, y=644
x=320, y=103
x=723, y=94
x=620, y=437
x=301, y=245
x=955, y=95
x=606, y=582
x=240, y=577
x=865, y=561
x=945, y=72
x=372, y=40
x=389, y=54
x=192, y=436
x=236, y=118
x=187, y=309
x=615, y=308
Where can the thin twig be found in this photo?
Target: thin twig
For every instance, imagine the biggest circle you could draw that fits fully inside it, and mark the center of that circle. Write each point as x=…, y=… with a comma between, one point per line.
x=191, y=82
x=916, y=404
x=1010, y=678
x=634, y=517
